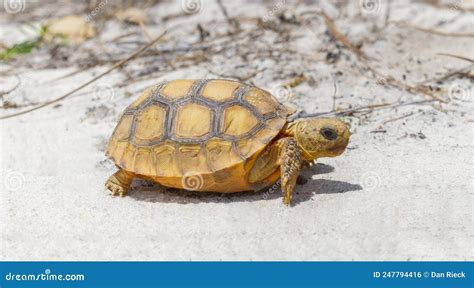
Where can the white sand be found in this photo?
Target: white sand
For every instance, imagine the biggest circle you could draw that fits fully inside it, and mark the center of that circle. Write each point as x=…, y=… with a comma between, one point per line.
x=402, y=194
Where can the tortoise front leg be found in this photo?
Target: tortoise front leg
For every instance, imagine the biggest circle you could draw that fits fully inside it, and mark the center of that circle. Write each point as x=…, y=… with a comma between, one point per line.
x=119, y=182
x=290, y=160
x=285, y=154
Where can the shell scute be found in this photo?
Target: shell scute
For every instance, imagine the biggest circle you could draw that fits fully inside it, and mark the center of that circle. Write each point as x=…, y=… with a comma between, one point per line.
x=220, y=90
x=238, y=120
x=261, y=100
x=192, y=120
x=177, y=89
x=149, y=124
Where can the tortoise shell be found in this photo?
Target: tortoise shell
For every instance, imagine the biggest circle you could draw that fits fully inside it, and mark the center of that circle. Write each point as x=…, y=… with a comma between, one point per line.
x=198, y=126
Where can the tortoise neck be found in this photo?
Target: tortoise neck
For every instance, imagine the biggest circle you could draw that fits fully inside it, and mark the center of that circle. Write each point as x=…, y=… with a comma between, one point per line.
x=291, y=130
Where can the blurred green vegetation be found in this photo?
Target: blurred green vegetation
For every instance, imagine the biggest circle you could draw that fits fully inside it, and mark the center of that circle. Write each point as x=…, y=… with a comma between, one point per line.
x=24, y=47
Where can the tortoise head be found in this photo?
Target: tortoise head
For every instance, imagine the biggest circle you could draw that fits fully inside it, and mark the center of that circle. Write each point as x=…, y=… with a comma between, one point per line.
x=320, y=137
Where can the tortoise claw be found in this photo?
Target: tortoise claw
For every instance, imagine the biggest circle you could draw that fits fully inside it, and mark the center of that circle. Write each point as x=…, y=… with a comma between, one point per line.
x=115, y=188
x=287, y=198
x=287, y=189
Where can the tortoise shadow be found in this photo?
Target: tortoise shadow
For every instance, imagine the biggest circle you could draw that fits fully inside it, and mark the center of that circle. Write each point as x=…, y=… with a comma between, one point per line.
x=145, y=191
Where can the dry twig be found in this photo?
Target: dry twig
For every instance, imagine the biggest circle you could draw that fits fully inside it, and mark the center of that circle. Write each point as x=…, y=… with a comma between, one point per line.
x=3, y=93
x=390, y=80
x=436, y=32
x=398, y=118
x=457, y=56
x=232, y=22
x=340, y=37
x=135, y=54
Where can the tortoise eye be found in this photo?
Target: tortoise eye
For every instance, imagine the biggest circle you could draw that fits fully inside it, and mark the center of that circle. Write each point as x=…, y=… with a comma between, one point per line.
x=328, y=133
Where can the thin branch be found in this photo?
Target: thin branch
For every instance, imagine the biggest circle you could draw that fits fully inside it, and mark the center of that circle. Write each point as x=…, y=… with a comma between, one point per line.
x=390, y=80
x=398, y=118
x=340, y=37
x=232, y=22
x=463, y=71
x=3, y=93
x=365, y=108
x=334, y=96
x=456, y=56
x=436, y=32
x=135, y=54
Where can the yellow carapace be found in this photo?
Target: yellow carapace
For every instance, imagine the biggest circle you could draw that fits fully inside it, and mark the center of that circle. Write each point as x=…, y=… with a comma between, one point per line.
x=218, y=136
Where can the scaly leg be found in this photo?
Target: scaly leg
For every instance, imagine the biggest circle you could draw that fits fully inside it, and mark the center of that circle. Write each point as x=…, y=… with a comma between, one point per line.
x=119, y=182
x=285, y=154
x=290, y=160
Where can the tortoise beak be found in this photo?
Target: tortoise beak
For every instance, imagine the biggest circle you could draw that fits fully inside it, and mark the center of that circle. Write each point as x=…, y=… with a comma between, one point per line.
x=337, y=150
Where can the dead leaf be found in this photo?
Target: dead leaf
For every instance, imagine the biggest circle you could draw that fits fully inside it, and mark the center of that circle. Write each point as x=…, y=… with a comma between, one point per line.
x=132, y=15
x=74, y=28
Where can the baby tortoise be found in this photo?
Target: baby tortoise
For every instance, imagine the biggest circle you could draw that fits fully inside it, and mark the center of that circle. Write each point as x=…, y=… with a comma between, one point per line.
x=219, y=136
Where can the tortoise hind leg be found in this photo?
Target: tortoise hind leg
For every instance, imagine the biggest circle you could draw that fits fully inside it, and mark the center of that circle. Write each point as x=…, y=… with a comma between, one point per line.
x=119, y=182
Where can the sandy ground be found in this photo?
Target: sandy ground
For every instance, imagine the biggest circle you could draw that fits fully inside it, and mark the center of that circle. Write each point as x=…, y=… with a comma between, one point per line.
x=403, y=190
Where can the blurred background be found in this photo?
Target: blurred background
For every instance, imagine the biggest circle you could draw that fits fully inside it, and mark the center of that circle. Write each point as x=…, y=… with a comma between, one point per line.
x=400, y=73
